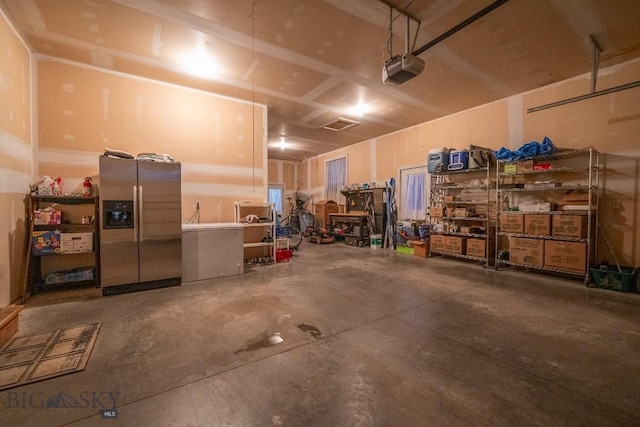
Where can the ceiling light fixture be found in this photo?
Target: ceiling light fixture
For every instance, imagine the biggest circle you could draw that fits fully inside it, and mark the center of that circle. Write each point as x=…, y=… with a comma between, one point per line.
x=198, y=63
x=282, y=144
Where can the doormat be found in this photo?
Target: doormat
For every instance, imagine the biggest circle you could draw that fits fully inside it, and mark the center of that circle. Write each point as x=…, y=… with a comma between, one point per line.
x=39, y=357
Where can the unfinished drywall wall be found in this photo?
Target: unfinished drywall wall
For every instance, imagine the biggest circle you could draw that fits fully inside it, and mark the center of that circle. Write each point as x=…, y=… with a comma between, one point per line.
x=83, y=110
x=15, y=157
x=609, y=123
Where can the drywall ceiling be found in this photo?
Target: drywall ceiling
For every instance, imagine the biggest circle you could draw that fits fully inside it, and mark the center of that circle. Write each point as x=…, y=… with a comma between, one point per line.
x=312, y=61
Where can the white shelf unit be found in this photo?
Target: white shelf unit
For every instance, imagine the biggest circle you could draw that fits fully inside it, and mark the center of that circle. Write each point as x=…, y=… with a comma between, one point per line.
x=549, y=179
x=470, y=191
x=259, y=237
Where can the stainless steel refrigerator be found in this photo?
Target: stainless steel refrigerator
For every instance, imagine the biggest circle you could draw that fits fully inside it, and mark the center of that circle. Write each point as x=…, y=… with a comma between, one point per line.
x=141, y=230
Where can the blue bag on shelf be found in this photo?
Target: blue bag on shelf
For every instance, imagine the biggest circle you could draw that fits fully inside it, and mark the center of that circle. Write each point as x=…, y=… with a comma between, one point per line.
x=547, y=147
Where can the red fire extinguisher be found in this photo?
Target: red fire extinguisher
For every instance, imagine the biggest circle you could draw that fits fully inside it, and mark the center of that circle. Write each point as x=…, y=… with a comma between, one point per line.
x=86, y=187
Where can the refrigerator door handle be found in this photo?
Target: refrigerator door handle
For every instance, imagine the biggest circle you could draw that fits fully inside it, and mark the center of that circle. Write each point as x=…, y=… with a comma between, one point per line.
x=141, y=215
x=135, y=213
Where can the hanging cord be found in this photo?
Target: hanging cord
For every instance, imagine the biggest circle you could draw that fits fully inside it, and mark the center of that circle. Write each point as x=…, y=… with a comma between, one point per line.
x=195, y=215
x=253, y=96
x=390, y=40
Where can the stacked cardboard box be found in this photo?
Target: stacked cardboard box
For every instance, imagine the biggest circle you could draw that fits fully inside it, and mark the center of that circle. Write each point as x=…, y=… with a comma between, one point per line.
x=526, y=251
x=565, y=256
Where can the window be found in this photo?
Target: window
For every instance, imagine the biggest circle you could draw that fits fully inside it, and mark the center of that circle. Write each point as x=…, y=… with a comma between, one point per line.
x=275, y=197
x=336, y=178
x=413, y=193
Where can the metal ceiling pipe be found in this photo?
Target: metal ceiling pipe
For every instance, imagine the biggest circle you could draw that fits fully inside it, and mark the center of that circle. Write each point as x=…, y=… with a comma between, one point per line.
x=460, y=26
x=583, y=97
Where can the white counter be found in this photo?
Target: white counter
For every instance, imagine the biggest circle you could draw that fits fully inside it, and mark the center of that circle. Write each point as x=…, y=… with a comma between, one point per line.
x=212, y=250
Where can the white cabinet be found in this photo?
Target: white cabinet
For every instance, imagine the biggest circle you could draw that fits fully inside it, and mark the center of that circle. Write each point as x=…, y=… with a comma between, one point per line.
x=258, y=220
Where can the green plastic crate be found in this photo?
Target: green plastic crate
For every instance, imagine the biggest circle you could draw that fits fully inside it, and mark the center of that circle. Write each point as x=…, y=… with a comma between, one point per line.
x=614, y=279
x=404, y=249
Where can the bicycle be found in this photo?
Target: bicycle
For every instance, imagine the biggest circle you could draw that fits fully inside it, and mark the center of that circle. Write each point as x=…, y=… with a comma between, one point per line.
x=298, y=222
x=285, y=231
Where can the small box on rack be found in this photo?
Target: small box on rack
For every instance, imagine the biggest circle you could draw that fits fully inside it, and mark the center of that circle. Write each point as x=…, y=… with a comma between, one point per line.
x=455, y=245
x=45, y=242
x=438, y=242
x=526, y=251
x=578, y=198
x=511, y=223
x=537, y=224
x=510, y=168
x=565, y=256
x=569, y=226
x=436, y=211
x=477, y=247
x=47, y=216
x=76, y=243
x=463, y=212
x=524, y=166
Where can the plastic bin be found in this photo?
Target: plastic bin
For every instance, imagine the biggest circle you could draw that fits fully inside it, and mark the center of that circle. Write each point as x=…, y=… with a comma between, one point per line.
x=458, y=160
x=283, y=255
x=438, y=160
x=614, y=279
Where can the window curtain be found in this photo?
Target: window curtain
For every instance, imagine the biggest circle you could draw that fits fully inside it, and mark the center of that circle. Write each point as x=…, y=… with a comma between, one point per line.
x=275, y=197
x=336, y=179
x=414, y=189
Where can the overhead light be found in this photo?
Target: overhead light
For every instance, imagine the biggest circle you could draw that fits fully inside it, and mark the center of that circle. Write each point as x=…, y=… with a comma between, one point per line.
x=399, y=69
x=282, y=144
x=199, y=63
x=360, y=110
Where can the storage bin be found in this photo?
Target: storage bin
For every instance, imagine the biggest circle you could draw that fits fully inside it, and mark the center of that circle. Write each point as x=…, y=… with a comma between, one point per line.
x=458, y=160
x=283, y=255
x=437, y=160
x=613, y=279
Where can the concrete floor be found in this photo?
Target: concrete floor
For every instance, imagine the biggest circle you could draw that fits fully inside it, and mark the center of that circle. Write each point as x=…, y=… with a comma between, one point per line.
x=404, y=341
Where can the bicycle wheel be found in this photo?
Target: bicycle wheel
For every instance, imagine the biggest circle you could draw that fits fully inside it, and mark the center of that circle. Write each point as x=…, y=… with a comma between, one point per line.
x=295, y=238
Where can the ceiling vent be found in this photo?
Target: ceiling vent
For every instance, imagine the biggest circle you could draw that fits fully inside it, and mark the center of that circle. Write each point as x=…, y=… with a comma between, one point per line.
x=340, y=124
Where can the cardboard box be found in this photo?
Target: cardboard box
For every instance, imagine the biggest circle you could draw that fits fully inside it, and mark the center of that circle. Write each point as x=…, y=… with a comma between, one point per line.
x=578, y=198
x=76, y=243
x=436, y=211
x=47, y=216
x=75, y=275
x=526, y=251
x=566, y=256
x=569, y=226
x=512, y=223
x=476, y=247
x=438, y=243
x=465, y=229
x=525, y=166
x=45, y=242
x=449, y=199
x=510, y=168
x=539, y=225
x=421, y=249
x=455, y=245
x=463, y=212
x=535, y=207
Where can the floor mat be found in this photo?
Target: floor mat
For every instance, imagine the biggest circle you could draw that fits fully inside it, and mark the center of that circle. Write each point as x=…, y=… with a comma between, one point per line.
x=34, y=358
